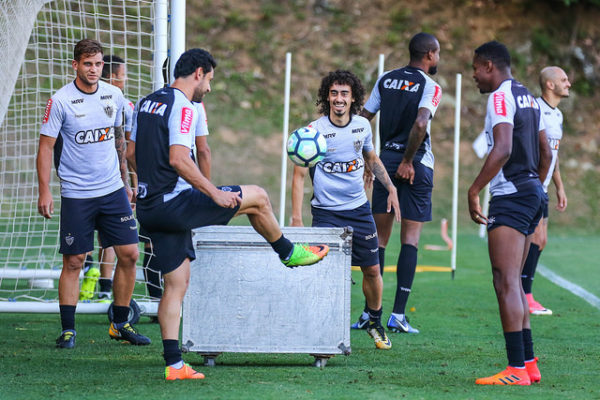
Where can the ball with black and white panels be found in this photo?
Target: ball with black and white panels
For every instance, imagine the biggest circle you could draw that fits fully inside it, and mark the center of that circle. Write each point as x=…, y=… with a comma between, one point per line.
x=306, y=146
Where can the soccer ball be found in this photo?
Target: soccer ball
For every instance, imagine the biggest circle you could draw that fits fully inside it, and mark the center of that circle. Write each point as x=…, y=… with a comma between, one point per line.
x=306, y=147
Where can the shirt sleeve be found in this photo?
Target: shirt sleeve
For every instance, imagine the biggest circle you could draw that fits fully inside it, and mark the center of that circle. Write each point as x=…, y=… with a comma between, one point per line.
x=128, y=115
x=202, y=124
x=53, y=118
x=368, y=143
x=120, y=103
x=374, y=103
x=501, y=108
x=432, y=95
x=182, y=122
x=134, y=115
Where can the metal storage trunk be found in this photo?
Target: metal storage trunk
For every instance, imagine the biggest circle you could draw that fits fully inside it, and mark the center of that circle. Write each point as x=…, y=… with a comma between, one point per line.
x=241, y=298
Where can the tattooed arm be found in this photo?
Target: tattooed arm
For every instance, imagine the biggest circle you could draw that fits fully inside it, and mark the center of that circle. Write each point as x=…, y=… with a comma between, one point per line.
x=378, y=169
x=121, y=147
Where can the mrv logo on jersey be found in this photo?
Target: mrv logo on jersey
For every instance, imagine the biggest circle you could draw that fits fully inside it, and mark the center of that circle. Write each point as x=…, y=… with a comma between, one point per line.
x=95, y=135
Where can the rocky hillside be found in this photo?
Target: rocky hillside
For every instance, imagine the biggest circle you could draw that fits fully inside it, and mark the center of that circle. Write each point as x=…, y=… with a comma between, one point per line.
x=250, y=40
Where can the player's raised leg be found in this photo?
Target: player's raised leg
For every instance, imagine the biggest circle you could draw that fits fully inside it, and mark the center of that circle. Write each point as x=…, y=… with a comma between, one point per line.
x=256, y=204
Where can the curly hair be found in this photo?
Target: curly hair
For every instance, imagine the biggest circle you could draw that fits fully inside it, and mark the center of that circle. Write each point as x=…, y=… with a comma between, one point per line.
x=341, y=77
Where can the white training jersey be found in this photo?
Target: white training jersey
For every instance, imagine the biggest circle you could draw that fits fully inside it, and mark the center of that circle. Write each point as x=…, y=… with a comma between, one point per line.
x=553, y=119
x=202, y=126
x=338, y=178
x=84, y=124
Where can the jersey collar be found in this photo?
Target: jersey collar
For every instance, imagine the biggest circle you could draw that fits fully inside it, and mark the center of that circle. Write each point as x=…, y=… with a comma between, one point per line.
x=88, y=93
x=338, y=126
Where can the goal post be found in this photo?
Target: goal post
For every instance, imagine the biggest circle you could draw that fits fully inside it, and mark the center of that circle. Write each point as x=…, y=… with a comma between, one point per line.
x=37, y=38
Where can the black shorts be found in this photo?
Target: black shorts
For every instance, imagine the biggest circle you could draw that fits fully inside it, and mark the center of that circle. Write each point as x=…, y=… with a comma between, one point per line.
x=545, y=205
x=521, y=211
x=415, y=199
x=365, y=246
x=169, y=225
x=111, y=215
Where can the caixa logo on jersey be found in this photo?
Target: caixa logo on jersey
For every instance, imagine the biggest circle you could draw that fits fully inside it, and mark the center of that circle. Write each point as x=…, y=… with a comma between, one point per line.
x=95, y=135
x=342, y=166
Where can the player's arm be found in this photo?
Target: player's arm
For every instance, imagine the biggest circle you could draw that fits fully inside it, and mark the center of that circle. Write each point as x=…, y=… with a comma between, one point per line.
x=44, y=166
x=298, y=194
x=415, y=138
x=367, y=114
x=180, y=160
x=121, y=150
x=498, y=156
x=203, y=154
x=378, y=169
x=545, y=156
x=561, y=195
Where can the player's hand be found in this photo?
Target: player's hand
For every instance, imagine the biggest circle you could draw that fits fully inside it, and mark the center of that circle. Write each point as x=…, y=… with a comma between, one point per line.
x=46, y=205
x=227, y=199
x=561, y=198
x=296, y=221
x=133, y=201
x=475, y=209
x=392, y=202
x=128, y=192
x=406, y=172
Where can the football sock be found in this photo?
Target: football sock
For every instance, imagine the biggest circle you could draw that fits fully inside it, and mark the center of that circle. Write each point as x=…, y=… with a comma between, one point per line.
x=381, y=259
x=375, y=316
x=152, y=277
x=405, y=274
x=178, y=365
x=120, y=314
x=283, y=247
x=171, y=352
x=89, y=262
x=67, y=317
x=514, y=349
x=105, y=284
x=528, y=345
x=529, y=268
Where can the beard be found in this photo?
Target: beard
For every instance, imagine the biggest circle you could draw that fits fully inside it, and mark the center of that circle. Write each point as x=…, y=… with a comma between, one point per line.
x=198, y=96
x=432, y=70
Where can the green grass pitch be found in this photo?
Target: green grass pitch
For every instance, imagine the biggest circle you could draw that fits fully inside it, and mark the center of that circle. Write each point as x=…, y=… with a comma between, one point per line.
x=460, y=339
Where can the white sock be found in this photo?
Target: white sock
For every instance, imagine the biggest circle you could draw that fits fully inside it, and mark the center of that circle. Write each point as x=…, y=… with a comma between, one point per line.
x=177, y=365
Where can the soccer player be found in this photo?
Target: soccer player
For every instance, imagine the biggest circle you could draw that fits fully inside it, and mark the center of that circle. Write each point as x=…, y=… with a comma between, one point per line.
x=339, y=196
x=114, y=72
x=203, y=158
x=555, y=85
x=518, y=160
x=175, y=197
x=407, y=99
x=82, y=125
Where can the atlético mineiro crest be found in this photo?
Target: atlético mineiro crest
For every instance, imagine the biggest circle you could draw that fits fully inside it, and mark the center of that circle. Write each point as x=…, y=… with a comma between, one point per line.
x=109, y=111
x=357, y=145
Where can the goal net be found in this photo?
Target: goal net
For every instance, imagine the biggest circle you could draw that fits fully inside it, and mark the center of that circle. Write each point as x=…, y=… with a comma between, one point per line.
x=37, y=38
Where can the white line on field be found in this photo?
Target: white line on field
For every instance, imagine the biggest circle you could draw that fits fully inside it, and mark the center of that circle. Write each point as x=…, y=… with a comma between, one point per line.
x=570, y=286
